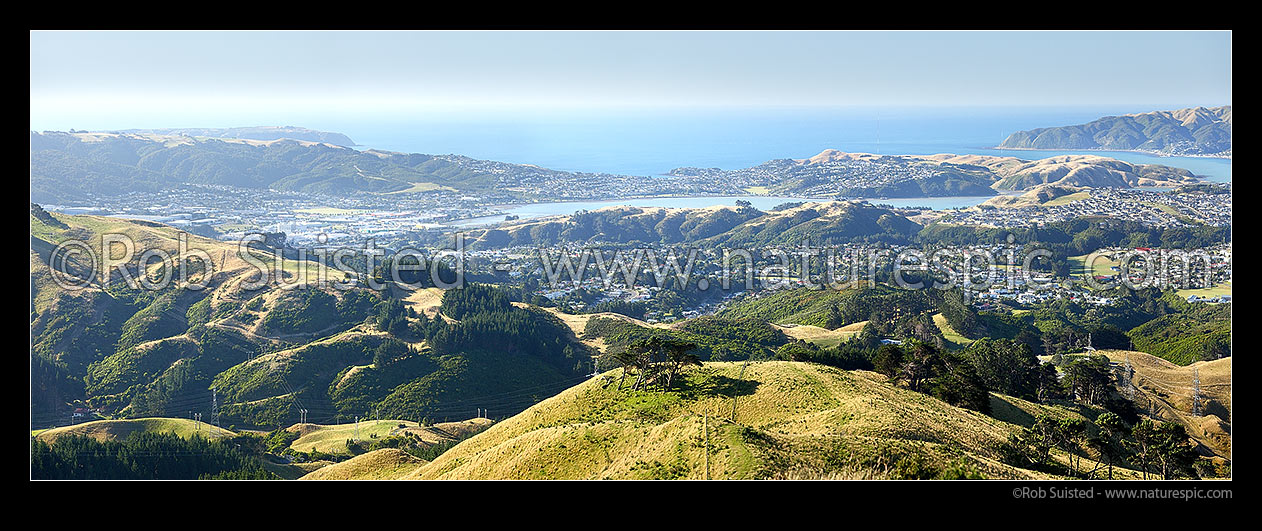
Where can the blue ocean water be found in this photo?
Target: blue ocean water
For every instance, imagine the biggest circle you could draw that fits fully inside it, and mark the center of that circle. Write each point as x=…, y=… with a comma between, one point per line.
x=654, y=141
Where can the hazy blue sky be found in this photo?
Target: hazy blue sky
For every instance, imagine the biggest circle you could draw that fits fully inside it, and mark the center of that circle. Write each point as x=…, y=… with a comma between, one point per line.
x=136, y=79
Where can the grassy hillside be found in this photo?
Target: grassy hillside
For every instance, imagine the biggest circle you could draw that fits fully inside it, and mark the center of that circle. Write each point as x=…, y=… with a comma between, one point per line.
x=331, y=439
x=829, y=308
x=797, y=306
x=273, y=351
x=104, y=343
x=386, y=463
x=764, y=420
x=823, y=337
x=831, y=223
x=119, y=429
x=1166, y=391
x=953, y=338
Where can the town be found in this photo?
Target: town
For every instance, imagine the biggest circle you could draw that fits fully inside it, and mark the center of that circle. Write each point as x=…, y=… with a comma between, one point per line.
x=1164, y=209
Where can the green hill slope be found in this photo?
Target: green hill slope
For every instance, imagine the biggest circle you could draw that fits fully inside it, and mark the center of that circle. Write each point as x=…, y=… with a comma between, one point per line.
x=119, y=429
x=1192, y=131
x=728, y=420
x=272, y=352
x=830, y=223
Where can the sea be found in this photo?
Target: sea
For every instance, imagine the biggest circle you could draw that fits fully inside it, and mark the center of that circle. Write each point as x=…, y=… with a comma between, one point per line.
x=652, y=141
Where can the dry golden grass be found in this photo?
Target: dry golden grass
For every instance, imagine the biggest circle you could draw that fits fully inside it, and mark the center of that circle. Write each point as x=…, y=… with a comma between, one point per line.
x=949, y=333
x=426, y=300
x=331, y=438
x=102, y=430
x=421, y=187
x=822, y=336
x=578, y=322
x=230, y=271
x=1067, y=199
x=595, y=431
x=447, y=431
x=386, y=463
x=1168, y=389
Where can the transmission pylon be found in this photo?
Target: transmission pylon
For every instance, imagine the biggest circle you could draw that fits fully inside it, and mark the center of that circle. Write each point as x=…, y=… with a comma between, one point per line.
x=1196, y=392
x=1128, y=372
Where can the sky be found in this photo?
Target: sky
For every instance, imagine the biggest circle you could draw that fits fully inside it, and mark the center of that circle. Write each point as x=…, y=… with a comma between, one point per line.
x=122, y=79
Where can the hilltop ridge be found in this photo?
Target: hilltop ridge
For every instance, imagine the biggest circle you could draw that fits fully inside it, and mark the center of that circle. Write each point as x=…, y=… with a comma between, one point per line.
x=261, y=132
x=1203, y=131
x=775, y=419
x=82, y=166
x=838, y=174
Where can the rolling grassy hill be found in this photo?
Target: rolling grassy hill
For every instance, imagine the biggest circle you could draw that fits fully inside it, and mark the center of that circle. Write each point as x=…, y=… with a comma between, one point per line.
x=271, y=351
x=386, y=463
x=798, y=307
x=152, y=354
x=954, y=339
x=823, y=337
x=829, y=223
x=331, y=439
x=120, y=429
x=1166, y=391
x=728, y=420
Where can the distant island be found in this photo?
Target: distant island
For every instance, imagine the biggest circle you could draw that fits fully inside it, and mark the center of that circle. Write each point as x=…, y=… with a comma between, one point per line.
x=1198, y=131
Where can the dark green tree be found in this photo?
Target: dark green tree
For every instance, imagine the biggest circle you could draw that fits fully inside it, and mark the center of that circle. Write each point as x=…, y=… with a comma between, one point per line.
x=1108, y=440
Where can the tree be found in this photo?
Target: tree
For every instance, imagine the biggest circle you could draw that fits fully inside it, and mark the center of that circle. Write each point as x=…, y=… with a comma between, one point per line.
x=798, y=351
x=959, y=385
x=389, y=351
x=679, y=355
x=960, y=314
x=919, y=365
x=1143, y=444
x=628, y=358
x=888, y=360
x=835, y=317
x=1049, y=387
x=641, y=354
x=1034, y=444
x=399, y=327
x=1089, y=379
x=1174, y=453
x=1164, y=447
x=1108, y=440
x=1071, y=433
x=1005, y=366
